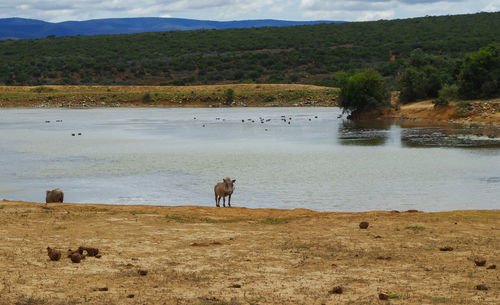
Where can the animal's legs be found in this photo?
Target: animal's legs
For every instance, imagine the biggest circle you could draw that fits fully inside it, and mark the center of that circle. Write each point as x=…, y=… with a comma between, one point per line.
x=224, y=201
x=229, y=201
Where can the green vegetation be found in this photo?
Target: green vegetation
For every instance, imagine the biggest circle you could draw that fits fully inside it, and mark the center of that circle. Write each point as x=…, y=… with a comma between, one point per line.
x=480, y=73
x=276, y=221
x=364, y=91
x=415, y=228
x=316, y=54
x=447, y=94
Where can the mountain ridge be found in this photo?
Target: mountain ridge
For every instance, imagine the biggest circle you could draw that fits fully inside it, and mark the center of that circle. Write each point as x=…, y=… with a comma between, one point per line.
x=24, y=28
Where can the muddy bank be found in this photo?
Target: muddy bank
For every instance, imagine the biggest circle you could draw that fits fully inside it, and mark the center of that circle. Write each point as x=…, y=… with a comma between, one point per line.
x=208, y=255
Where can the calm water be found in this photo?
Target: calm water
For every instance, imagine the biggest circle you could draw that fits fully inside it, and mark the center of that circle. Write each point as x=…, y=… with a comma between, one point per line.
x=167, y=157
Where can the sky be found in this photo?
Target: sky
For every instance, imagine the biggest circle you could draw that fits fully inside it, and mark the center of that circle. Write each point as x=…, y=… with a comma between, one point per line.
x=222, y=10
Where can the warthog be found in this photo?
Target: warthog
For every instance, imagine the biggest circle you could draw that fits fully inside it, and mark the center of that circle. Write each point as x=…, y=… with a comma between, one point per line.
x=223, y=189
x=54, y=196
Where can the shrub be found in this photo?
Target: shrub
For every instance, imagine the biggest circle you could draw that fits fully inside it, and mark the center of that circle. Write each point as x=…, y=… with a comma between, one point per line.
x=228, y=96
x=447, y=94
x=480, y=73
x=146, y=98
x=363, y=92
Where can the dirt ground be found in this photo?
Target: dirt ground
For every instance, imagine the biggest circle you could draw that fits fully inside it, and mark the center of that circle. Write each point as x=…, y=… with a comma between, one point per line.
x=477, y=112
x=208, y=255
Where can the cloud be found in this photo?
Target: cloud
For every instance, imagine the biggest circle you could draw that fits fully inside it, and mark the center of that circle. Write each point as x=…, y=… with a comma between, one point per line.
x=61, y=10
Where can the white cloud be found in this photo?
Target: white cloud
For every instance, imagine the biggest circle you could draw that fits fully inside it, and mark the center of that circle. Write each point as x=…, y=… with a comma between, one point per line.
x=61, y=10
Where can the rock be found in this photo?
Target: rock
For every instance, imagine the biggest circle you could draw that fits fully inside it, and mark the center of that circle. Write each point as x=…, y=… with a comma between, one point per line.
x=235, y=286
x=492, y=267
x=98, y=256
x=142, y=272
x=363, y=225
x=383, y=296
x=336, y=290
x=53, y=254
x=481, y=287
x=446, y=249
x=76, y=257
x=479, y=261
x=130, y=296
x=387, y=258
x=101, y=289
x=378, y=236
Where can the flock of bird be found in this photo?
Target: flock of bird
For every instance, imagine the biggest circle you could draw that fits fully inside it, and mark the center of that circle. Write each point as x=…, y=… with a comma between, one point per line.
x=261, y=119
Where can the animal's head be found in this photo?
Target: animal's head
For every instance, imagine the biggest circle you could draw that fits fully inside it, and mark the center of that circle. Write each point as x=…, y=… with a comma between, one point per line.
x=229, y=184
x=47, y=191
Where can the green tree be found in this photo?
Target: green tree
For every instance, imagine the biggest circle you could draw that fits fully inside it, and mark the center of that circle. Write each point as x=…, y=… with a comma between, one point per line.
x=363, y=92
x=480, y=73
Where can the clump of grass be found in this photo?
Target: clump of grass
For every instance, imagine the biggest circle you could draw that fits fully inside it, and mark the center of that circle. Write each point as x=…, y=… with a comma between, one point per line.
x=276, y=221
x=303, y=246
x=2, y=207
x=393, y=295
x=415, y=228
x=178, y=218
x=212, y=220
x=31, y=300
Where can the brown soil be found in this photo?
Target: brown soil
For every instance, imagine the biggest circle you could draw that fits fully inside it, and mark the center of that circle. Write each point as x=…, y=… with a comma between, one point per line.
x=244, y=256
x=475, y=112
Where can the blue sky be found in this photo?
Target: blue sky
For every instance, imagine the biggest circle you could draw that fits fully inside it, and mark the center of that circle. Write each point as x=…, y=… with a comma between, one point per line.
x=349, y=10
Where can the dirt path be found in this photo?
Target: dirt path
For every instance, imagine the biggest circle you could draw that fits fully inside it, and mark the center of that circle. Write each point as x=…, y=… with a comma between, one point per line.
x=208, y=255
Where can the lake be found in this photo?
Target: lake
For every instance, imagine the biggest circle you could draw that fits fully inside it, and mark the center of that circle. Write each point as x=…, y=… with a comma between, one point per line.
x=280, y=158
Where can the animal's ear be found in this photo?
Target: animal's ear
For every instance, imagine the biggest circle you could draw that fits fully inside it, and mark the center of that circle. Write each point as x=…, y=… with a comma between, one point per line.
x=234, y=180
x=47, y=191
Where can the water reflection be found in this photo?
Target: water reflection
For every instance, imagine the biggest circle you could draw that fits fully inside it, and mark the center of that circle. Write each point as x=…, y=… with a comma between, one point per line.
x=416, y=134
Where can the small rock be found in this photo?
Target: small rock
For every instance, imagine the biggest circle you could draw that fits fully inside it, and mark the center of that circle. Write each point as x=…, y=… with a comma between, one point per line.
x=98, y=256
x=142, y=272
x=130, y=296
x=383, y=296
x=101, y=289
x=363, y=225
x=336, y=290
x=446, y=249
x=479, y=261
x=378, y=236
x=491, y=267
x=481, y=287
x=235, y=286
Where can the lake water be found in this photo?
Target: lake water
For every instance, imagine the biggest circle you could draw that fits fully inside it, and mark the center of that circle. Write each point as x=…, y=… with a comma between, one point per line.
x=175, y=156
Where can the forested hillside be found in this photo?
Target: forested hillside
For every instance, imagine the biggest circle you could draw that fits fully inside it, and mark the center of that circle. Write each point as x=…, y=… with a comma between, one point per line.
x=315, y=54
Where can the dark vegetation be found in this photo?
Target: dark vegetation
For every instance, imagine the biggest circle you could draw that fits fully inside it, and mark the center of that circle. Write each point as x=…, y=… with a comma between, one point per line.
x=364, y=91
x=314, y=54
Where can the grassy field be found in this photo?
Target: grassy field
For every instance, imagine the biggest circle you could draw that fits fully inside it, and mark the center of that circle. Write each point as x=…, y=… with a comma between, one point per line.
x=208, y=255
x=167, y=96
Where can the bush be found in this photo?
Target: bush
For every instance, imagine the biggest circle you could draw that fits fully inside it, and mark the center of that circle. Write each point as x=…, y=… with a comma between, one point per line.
x=480, y=73
x=363, y=92
x=228, y=96
x=447, y=94
x=146, y=98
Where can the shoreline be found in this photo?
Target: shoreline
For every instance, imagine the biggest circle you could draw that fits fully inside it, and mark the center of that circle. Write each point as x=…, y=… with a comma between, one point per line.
x=236, y=208
x=213, y=256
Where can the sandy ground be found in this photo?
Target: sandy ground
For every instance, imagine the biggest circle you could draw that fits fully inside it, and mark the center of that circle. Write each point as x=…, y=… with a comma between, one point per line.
x=208, y=255
x=478, y=112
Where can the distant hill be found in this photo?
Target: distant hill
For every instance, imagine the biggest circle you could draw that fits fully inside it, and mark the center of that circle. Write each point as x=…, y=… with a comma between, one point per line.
x=20, y=28
x=310, y=54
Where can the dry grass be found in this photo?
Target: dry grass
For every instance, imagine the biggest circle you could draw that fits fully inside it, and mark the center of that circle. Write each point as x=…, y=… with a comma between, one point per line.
x=208, y=255
x=165, y=96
